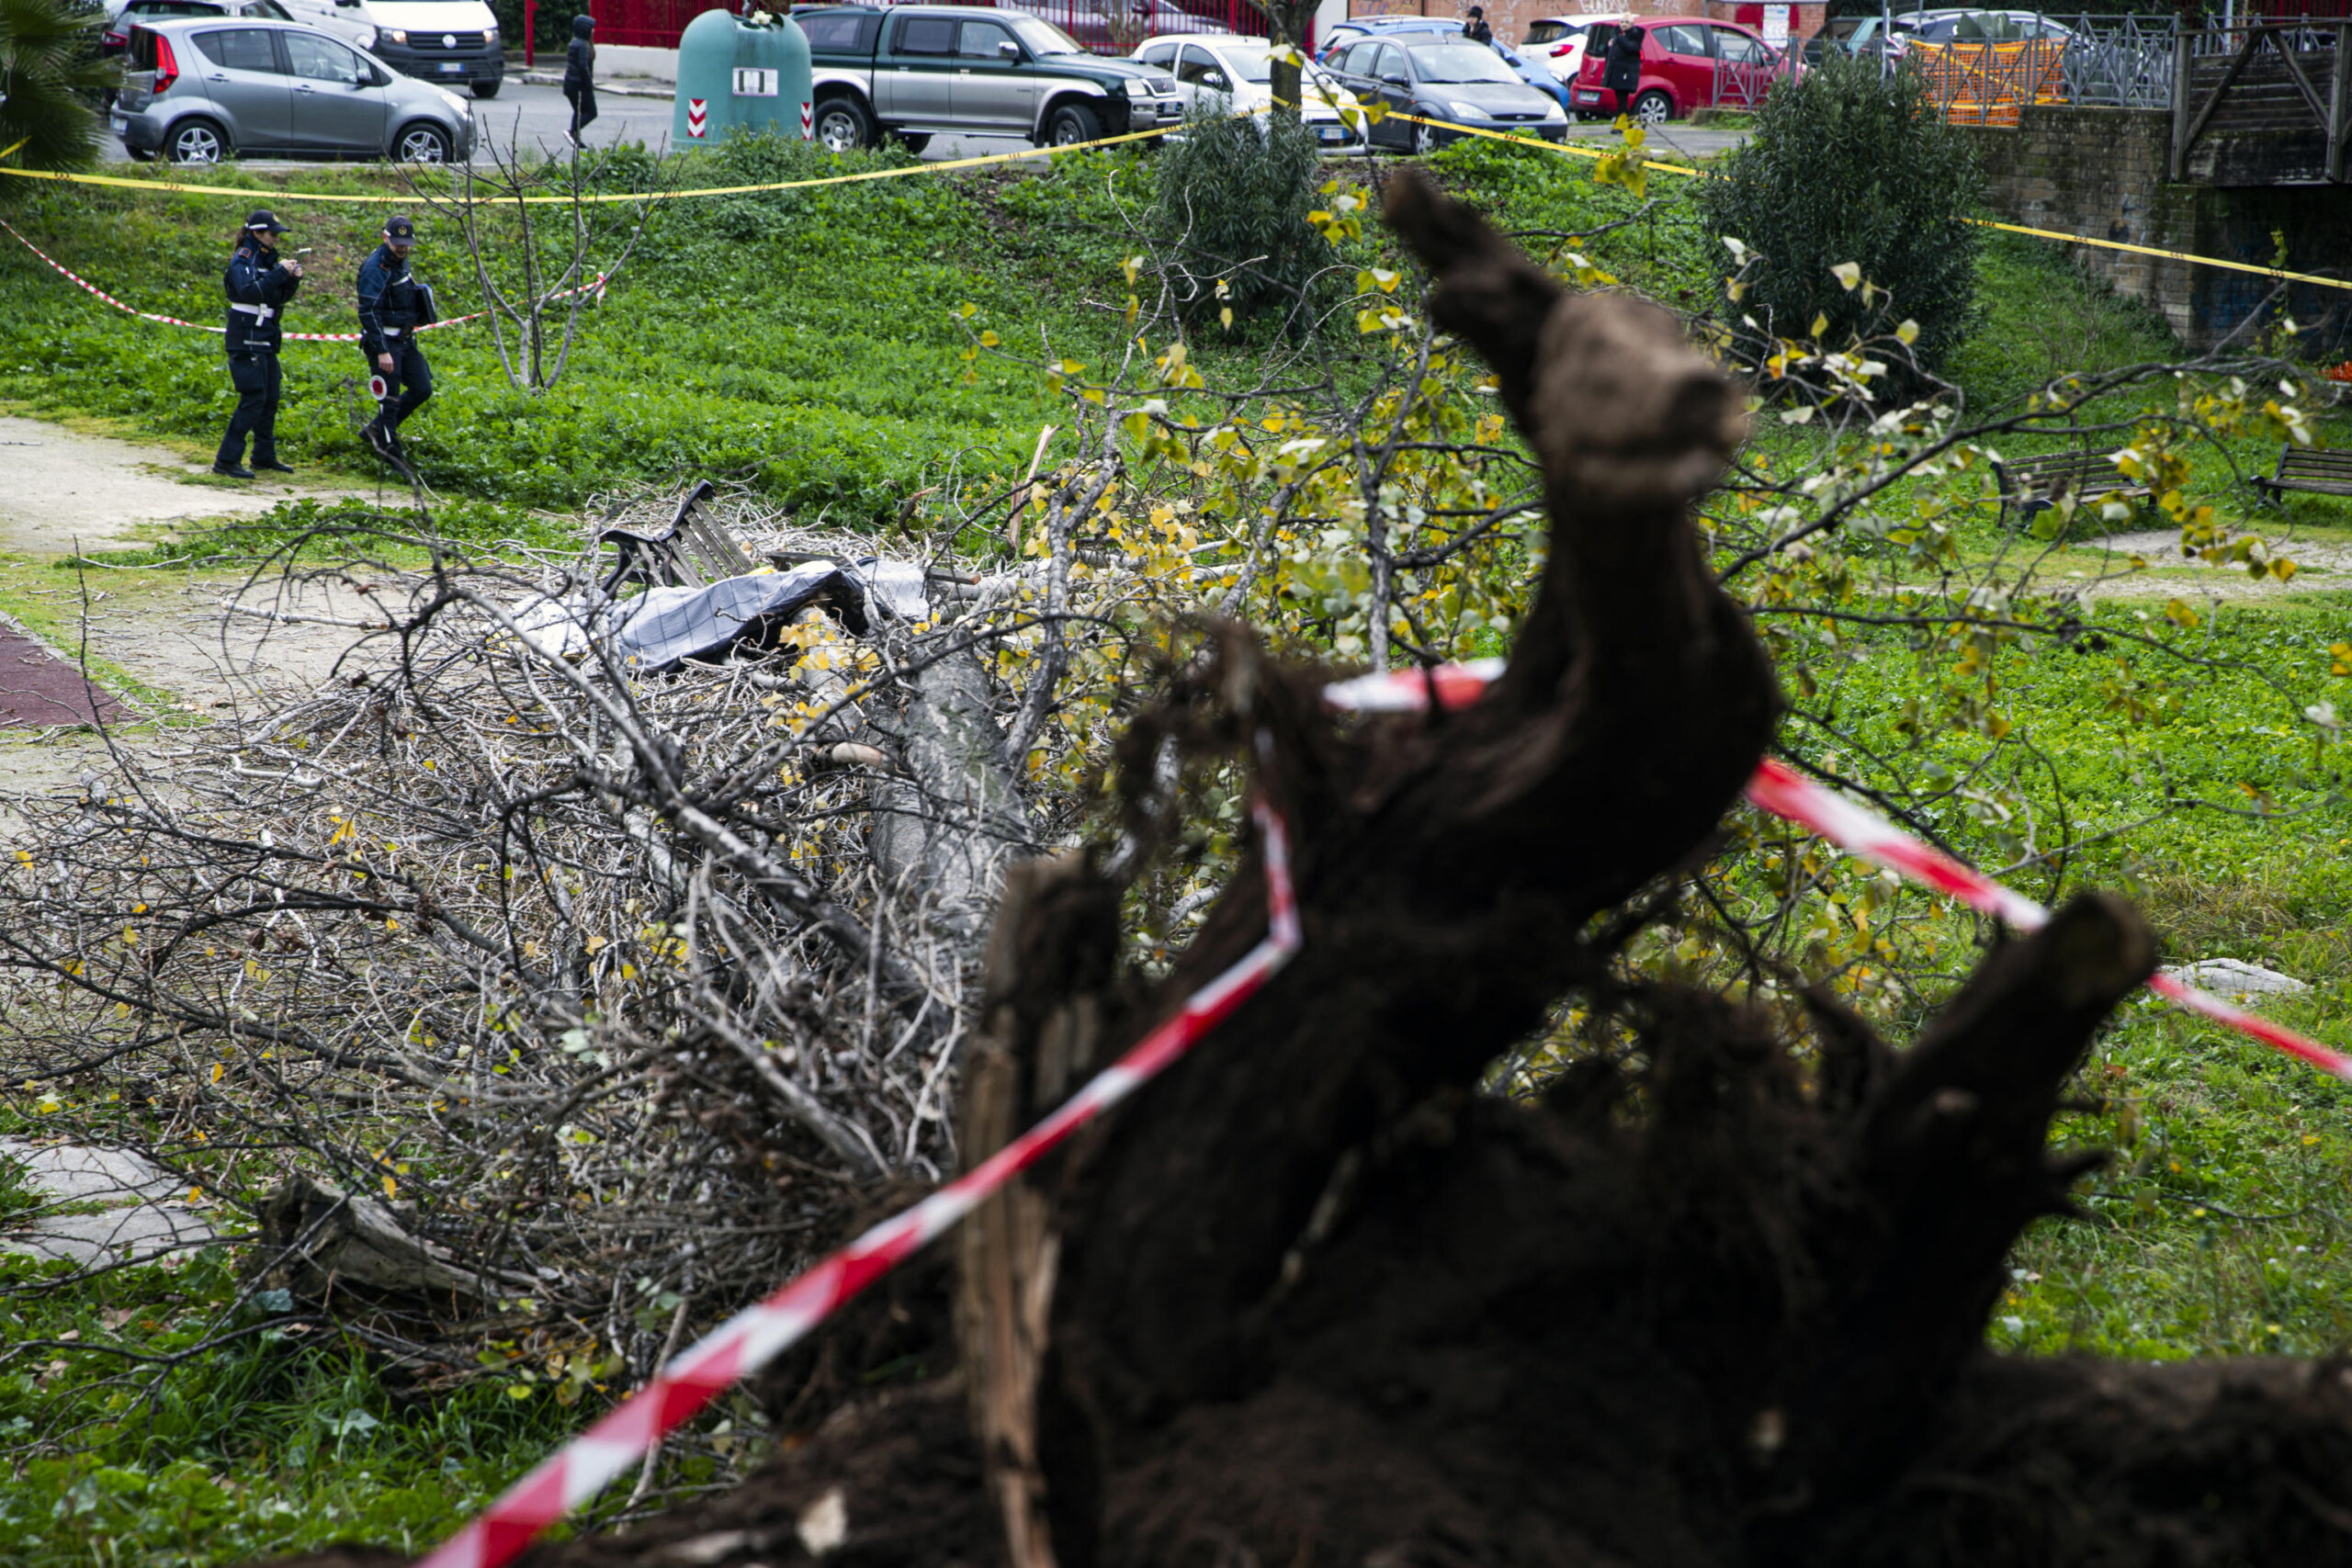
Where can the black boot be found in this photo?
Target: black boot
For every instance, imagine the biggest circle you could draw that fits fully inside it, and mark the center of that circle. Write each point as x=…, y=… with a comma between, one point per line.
x=233, y=471
x=271, y=463
x=381, y=441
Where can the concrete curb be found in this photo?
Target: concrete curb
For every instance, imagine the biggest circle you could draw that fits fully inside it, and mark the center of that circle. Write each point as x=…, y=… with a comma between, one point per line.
x=555, y=79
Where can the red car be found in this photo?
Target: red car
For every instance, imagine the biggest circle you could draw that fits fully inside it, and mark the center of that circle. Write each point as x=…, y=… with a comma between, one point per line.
x=1687, y=63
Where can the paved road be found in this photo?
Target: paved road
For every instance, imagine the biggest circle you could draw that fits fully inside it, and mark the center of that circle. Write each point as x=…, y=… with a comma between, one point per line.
x=1671, y=140
x=536, y=115
x=533, y=115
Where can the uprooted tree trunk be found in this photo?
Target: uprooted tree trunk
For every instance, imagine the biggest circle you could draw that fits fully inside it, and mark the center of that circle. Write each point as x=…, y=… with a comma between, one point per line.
x=1314, y=1299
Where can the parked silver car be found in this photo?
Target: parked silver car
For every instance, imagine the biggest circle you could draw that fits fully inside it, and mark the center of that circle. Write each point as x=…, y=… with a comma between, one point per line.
x=200, y=90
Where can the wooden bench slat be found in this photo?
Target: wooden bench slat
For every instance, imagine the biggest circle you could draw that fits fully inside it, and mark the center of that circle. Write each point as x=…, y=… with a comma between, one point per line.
x=2315, y=471
x=2030, y=483
x=693, y=552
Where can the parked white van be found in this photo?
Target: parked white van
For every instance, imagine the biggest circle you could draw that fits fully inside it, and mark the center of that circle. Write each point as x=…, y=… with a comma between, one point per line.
x=446, y=42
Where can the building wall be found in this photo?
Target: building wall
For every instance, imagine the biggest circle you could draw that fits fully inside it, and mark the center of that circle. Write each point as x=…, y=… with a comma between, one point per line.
x=2100, y=172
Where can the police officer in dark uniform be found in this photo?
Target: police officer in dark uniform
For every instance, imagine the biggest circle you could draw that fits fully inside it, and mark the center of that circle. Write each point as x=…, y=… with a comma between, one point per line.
x=393, y=305
x=258, y=284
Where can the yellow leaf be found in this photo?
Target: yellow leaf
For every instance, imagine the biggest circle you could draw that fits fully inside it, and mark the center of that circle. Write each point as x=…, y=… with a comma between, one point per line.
x=1820, y=325
x=1849, y=275
x=2177, y=612
x=1908, y=333
x=391, y=1187
x=218, y=1068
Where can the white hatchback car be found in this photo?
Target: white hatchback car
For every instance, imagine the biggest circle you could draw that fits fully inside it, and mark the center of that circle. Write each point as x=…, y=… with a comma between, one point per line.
x=201, y=90
x=1214, y=69
x=1558, y=41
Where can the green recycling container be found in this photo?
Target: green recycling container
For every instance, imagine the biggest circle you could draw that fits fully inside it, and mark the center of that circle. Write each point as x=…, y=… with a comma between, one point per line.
x=738, y=75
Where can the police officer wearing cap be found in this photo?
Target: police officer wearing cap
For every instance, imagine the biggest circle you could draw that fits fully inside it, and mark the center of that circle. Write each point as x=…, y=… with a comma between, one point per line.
x=259, y=284
x=393, y=305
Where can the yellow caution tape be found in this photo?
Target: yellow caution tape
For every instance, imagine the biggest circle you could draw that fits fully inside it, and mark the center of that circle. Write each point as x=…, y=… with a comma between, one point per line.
x=249, y=192
x=1980, y=222
x=2168, y=255
x=1571, y=150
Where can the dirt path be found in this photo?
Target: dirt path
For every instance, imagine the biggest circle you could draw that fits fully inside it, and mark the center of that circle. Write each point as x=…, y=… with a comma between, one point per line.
x=160, y=639
x=69, y=492
x=2320, y=563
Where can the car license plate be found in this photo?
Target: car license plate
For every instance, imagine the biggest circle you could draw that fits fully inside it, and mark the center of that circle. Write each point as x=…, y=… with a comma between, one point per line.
x=1333, y=133
x=120, y=125
x=1587, y=97
x=451, y=67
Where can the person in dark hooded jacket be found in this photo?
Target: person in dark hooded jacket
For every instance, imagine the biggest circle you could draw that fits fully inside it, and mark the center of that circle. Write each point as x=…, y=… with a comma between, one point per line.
x=580, y=75
x=1622, y=67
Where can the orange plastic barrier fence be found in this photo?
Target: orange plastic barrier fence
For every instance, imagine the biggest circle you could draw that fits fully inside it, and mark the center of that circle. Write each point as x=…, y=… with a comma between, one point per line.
x=1987, y=83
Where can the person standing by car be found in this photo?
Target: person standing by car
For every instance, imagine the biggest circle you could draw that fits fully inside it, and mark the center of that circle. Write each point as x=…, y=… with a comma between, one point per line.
x=258, y=284
x=393, y=305
x=1475, y=29
x=1622, y=67
x=579, y=75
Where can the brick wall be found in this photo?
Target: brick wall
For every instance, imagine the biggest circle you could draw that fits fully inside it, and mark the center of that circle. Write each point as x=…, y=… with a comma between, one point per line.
x=2100, y=172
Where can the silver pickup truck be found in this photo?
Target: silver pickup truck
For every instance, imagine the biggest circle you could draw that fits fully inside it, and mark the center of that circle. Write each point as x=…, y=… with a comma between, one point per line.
x=912, y=72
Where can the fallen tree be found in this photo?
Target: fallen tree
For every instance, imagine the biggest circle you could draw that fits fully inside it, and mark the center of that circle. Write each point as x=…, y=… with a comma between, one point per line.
x=1717, y=1297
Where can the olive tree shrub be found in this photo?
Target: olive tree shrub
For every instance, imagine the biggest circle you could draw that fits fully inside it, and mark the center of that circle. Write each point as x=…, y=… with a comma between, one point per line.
x=1849, y=168
x=1232, y=216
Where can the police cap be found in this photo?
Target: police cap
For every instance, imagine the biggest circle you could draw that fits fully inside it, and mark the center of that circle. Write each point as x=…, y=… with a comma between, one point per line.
x=399, y=228
x=265, y=223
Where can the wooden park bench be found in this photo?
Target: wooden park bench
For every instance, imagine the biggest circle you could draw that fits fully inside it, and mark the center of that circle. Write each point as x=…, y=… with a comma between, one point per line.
x=694, y=551
x=2317, y=469
x=2036, y=484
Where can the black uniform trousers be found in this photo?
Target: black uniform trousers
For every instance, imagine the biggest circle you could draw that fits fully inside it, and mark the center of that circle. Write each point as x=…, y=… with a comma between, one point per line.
x=254, y=373
x=409, y=384
x=584, y=108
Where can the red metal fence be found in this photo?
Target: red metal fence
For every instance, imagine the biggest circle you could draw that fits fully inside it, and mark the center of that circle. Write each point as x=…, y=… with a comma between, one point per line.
x=1106, y=27
x=651, y=24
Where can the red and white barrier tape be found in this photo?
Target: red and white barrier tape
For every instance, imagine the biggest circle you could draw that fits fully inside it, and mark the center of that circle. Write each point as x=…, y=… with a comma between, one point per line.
x=595, y=288
x=1778, y=789
x=584, y=1467
x=580, y=1469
